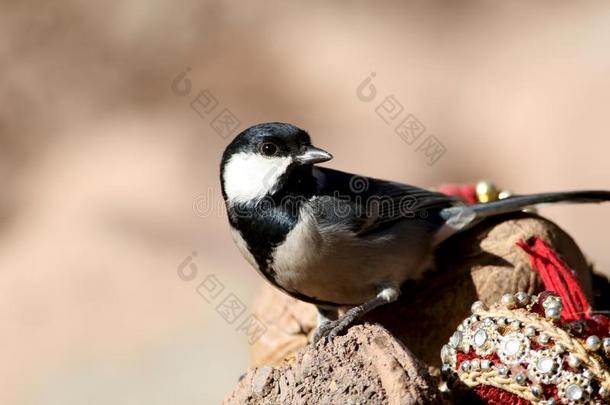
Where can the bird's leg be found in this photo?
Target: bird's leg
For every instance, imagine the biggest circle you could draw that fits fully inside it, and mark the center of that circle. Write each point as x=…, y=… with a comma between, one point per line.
x=332, y=328
x=325, y=317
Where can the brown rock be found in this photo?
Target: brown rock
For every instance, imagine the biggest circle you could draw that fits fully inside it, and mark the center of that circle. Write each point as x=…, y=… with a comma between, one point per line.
x=367, y=365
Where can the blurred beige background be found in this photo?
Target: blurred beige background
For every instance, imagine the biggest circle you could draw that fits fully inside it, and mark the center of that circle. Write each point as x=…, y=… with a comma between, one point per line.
x=101, y=162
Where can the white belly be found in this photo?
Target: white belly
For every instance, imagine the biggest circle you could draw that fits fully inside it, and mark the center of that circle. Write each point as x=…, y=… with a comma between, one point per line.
x=335, y=265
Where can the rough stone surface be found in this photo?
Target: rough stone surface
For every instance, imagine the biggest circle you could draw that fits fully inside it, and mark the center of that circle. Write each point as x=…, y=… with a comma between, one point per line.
x=366, y=366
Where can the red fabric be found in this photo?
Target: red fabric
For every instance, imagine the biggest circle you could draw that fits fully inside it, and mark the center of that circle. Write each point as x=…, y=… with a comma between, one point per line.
x=493, y=396
x=557, y=277
x=490, y=395
x=600, y=325
x=461, y=357
x=466, y=192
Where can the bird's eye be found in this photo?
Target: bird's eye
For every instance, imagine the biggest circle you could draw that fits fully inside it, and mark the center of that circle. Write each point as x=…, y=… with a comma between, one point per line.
x=268, y=149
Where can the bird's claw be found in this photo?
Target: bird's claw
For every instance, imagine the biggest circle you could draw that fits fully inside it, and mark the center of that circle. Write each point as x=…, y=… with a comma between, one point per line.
x=322, y=331
x=332, y=329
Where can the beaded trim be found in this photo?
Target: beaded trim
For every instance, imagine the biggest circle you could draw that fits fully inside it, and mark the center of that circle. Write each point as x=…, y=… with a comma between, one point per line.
x=518, y=346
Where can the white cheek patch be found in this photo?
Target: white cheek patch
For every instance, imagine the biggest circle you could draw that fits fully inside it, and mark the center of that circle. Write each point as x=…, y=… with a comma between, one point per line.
x=249, y=177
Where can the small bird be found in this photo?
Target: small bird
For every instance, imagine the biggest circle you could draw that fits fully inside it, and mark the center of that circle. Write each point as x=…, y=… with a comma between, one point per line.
x=335, y=239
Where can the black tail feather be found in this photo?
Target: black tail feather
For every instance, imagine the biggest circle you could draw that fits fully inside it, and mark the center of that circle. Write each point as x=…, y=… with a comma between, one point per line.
x=517, y=203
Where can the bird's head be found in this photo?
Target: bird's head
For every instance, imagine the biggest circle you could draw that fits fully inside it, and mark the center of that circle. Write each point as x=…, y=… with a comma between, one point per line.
x=261, y=158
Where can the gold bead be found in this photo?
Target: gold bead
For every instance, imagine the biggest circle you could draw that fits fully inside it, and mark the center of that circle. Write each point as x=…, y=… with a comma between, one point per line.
x=486, y=191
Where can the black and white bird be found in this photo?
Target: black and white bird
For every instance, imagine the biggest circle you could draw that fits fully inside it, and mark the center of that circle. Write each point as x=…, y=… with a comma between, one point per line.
x=335, y=239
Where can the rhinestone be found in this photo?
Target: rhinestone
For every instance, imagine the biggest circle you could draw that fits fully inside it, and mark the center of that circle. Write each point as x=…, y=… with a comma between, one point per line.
x=606, y=345
x=455, y=339
x=552, y=306
x=485, y=364
x=488, y=322
x=502, y=370
x=465, y=365
x=508, y=300
x=603, y=392
x=588, y=374
x=574, y=392
x=552, y=301
x=545, y=364
x=480, y=337
x=559, y=348
x=537, y=390
x=593, y=343
x=478, y=306
x=530, y=331
x=551, y=402
x=585, y=388
x=544, y=338
x=522, y=298
x=511, y=346
x=573, y=361
x=447, y=354
x=501, y=321
x=552, y=313
x=520, y=378
x=475, y=364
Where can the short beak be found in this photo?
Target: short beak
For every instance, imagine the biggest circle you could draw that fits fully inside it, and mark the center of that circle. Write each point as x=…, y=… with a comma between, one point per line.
x=313, y=155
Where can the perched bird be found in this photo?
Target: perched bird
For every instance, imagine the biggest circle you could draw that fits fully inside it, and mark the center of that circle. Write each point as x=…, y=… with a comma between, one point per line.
x=335, y=239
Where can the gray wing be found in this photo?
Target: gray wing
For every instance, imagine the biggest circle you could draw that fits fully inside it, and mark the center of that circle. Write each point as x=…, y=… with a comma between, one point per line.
x=367, y=206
